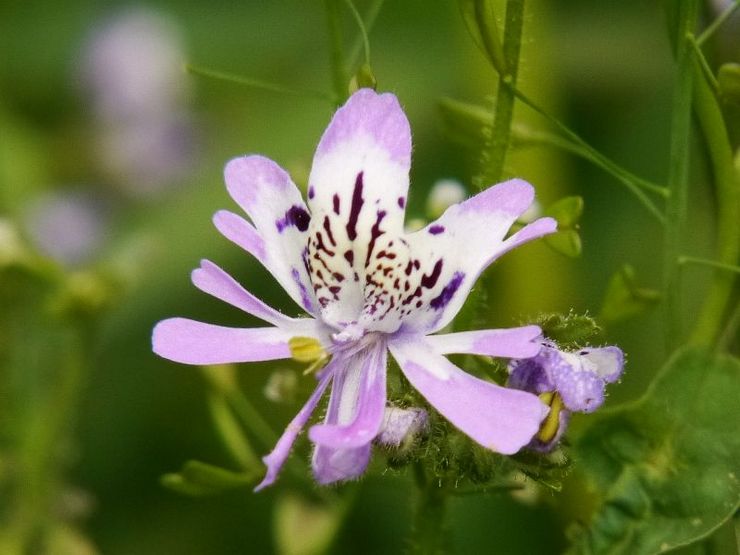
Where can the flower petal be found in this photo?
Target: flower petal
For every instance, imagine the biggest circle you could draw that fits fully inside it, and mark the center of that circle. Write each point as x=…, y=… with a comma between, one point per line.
x=191, y=342
x=509, y=343
x=266, y=193
x=338, y=465
x=606, y=362
x=211, y=279
x=357, y=196
x=501, y=419
x=361, y=403
x=451, y=253
x=280, y=452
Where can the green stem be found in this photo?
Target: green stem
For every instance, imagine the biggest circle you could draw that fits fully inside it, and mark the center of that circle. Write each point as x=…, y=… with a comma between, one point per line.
x=38, y=456
x=370, y=17
x=710, y=263
x=495, y=153
x=632, y=182
x=678, y=170
x=340, y=76
x=255, y=83
x=727, y=184
x=724, y=16
x=430, y=535
x=363, y=32
x=702, y=61
x=251, y=418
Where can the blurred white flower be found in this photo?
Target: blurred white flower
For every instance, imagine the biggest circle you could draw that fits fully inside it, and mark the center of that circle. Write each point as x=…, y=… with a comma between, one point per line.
x=444, y=193
x=69, y=227
x=132, y=71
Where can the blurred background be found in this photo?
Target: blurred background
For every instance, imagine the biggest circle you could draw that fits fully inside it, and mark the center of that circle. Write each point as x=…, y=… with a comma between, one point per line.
x=111, y=159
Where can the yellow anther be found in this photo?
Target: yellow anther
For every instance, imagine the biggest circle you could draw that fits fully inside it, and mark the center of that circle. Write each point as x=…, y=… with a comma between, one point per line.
x=306, y=349
x=550, y=426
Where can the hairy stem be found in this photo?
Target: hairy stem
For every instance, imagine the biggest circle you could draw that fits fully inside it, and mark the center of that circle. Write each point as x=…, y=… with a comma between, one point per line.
x=430, y=534
x=678, y=171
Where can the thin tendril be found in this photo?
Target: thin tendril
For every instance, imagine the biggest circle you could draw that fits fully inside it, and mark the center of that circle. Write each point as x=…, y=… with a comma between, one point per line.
x=363, y=31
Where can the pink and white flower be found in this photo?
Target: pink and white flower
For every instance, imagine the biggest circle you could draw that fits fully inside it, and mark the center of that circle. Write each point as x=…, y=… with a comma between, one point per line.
x=368, y=288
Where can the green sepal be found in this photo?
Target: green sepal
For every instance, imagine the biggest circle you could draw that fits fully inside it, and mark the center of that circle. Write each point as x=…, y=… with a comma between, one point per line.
x=567, y=242
x=363, y=79
x=666, y=467
x=624, y=298
x=567, y=211
x=569, y=331
x=198, y=478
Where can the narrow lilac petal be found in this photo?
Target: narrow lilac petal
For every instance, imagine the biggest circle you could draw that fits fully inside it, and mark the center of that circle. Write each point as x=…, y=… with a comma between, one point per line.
x=240, y=232
x=501, y=419
x=274, y=204
x=211, y=279
x=535, y=230
x=455, y=249
x=606, y=362
x=359, y=183
x=191, y=342
x=368, y=409
x=510, y=343
x=338, y=465
x=280, y=452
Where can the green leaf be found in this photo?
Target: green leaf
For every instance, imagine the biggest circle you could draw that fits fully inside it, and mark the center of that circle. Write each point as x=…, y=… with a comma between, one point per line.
x=567, y=242
x=666, y=466
x=480, y=19
x=198, y=478
x=624, y=298
x=567, y=211
x=464, y=123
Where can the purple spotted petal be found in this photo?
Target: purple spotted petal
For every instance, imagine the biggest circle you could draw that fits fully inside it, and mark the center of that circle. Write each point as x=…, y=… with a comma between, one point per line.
x=211, y=279
x=364, y=403
x=191, y=342
x=266, y=193
x=279, y=454
x=510, y=343
x=581, y=390
x=501, y=419
x=453, y=251
x=357, y=194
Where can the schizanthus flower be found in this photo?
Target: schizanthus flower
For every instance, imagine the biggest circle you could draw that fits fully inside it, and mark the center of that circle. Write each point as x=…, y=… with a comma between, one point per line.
x=568, y=382
x=368, y=287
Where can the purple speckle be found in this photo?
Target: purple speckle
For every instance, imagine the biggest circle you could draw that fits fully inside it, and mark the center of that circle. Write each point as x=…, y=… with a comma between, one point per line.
x=443, y=299
x=295, y=215
x=311, y=192
x=354, y=211
x=436, y=229
x=401, y=202
x=335, y=202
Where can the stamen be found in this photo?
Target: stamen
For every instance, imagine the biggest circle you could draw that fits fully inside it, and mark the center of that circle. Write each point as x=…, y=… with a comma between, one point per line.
x=550, y=426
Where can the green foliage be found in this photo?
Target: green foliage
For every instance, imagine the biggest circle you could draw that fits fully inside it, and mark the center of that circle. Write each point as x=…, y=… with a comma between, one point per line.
x=666, y=467
x=465, y=123
x=567, y=211
x=624, y=298
x=198, y=478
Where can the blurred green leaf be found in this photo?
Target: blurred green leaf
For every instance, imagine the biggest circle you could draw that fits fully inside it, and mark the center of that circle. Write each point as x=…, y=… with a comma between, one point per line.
x=667, y=465
x=198, y=478
x=480, y=18
x=466, y=124
x=567, y=211
x=624, y=298
x=305, y=527
x=567, y=242
x=568, y=330
x=728, y=79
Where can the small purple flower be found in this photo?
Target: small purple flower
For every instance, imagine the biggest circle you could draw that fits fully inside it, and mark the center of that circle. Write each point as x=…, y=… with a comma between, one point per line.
x=401, y=425
x=369, y=288
x=568, y=382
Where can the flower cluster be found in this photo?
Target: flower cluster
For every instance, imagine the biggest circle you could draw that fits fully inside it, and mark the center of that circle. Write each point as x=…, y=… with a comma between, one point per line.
x=369, y=288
